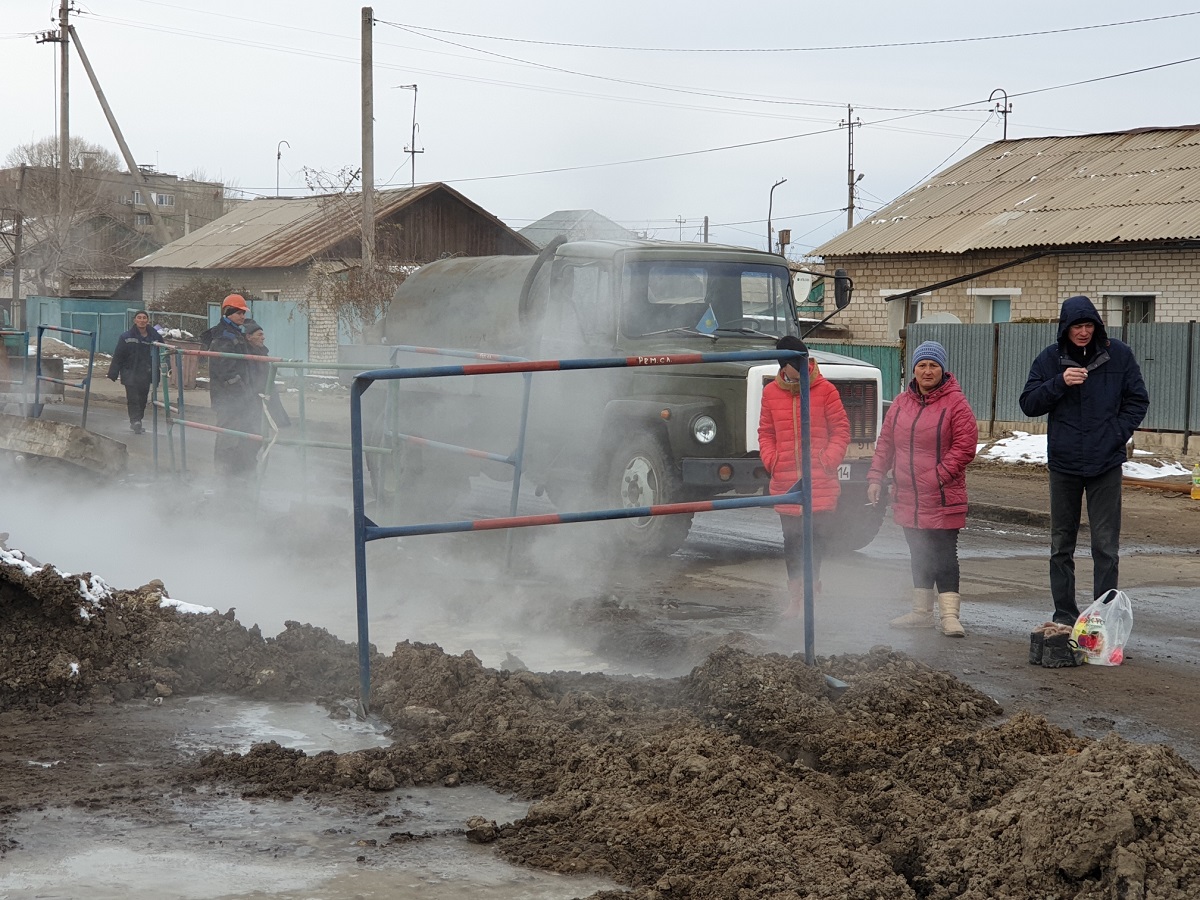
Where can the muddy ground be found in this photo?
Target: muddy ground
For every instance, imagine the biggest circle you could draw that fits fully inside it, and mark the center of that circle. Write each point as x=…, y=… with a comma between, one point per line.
x=750, y=777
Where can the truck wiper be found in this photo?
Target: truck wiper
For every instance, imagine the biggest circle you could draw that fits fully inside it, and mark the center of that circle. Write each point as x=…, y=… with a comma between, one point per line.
x=753, y=332
x=682, y=329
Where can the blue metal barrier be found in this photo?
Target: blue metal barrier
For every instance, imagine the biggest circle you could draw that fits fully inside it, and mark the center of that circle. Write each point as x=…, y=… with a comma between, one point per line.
x=366, y=530
x=86, y=384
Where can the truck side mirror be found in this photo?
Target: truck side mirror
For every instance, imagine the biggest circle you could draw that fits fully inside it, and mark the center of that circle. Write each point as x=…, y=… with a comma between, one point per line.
x=843, y=287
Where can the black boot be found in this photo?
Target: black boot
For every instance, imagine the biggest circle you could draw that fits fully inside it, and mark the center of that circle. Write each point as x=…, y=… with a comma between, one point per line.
x=1059, y=652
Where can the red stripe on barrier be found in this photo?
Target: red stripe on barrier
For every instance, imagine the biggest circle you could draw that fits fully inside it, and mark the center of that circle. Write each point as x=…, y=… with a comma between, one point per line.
x=541, y=365
x=515, y=522
x=669, y=508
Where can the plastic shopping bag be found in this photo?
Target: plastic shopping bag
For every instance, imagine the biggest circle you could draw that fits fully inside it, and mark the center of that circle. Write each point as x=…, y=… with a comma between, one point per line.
x=1102, y=630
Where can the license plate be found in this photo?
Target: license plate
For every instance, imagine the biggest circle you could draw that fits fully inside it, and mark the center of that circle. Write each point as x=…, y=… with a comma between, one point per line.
x=844, y=472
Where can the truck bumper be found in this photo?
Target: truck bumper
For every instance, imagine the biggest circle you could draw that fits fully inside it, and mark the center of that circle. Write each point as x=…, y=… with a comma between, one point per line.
x=747, y=475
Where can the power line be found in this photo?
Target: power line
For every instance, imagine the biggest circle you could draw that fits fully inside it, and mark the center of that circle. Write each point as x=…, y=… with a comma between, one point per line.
x=924, y=43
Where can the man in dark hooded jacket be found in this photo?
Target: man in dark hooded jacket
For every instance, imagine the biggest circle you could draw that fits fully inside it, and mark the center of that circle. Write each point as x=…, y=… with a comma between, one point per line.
x=133, y=363
x=1090, y=388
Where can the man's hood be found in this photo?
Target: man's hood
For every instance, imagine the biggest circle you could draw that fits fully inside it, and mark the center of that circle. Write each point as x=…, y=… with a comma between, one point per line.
x=1075, y=309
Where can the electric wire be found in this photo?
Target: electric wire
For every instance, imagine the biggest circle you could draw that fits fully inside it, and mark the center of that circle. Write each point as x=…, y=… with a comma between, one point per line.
x=822, y=49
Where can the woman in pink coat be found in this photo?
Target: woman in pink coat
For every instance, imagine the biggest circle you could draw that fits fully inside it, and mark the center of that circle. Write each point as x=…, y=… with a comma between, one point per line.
x=779, y=447
x=928, y=438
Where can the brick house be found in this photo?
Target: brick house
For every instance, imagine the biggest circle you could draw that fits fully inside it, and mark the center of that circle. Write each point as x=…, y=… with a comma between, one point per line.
x=273, y=247
x=1115, y=216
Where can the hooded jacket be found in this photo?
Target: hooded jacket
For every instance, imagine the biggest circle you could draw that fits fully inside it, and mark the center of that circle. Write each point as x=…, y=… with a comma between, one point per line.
x=779, y=438
x=927, y=441
x=133, y=360
x=1087, y=425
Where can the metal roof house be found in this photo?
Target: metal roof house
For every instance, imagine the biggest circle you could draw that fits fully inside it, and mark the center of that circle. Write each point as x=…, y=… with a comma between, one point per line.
x=1115, y=216
x=273, y=247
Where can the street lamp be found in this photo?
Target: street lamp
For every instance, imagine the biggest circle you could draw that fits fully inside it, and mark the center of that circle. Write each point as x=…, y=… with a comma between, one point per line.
x=411, y=149
x=278, y=156
x=770, y=205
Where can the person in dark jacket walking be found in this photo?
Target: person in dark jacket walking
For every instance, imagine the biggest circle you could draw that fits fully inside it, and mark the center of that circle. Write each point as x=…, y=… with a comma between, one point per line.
x=1090, y=388
x=133, y=363
x=927, y=441
x=232, y=394
x=780, y=449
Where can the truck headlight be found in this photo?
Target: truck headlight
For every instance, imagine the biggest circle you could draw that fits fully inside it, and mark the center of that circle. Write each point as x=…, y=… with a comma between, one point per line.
x=704, y=429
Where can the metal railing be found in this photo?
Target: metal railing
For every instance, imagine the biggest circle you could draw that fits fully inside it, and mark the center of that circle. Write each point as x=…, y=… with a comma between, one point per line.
x=85, y=384
x=366, y=530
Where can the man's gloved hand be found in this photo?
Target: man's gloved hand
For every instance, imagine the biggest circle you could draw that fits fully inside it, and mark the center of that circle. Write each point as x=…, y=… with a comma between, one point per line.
x=112, y=377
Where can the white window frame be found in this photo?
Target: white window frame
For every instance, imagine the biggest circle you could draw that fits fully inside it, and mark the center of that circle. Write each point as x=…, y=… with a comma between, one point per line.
x=163, y=199
x=985, y=298
x=142, y=219
x=137, y=198
x=895, y=310
x=1113, y=305
x=271, y=295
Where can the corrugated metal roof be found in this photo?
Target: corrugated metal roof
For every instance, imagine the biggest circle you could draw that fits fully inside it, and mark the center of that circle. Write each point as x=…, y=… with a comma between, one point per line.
x=1092, y=189
x=576, y=225
x=278, y=233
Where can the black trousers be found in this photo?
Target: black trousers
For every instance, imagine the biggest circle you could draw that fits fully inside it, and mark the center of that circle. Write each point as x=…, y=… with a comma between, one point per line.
x=934, y=558
x=136, y=395
x=793, y=544
x=1104, y=520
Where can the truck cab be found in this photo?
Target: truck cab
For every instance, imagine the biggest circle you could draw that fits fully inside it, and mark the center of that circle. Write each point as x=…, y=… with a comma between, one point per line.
x=638, y=436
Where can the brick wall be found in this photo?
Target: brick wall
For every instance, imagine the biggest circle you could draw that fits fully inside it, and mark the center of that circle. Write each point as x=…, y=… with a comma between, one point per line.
x=1036, y=289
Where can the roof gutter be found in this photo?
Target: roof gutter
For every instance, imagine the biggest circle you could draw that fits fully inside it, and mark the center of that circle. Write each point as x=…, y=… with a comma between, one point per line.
x=929, y=288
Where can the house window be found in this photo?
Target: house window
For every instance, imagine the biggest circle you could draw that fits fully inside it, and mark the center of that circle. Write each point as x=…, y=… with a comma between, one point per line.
x=993, y=304
x=164, y=199
x=137, y=198
x=141, y=219
x=1128, y=309
x=271, y=295
x=896, y=311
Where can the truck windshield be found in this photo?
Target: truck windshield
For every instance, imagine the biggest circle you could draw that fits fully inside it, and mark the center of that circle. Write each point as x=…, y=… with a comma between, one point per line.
x=705, y=298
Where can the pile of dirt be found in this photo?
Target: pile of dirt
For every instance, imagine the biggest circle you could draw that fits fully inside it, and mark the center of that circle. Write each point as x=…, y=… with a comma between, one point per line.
x=751, y=777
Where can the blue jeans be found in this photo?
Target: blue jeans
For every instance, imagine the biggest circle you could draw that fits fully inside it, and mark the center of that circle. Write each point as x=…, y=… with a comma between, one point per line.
x=1104, y=518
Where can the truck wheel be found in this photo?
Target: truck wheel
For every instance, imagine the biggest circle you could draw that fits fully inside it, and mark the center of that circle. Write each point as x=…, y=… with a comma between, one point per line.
x=641, y=475
x=856, y=524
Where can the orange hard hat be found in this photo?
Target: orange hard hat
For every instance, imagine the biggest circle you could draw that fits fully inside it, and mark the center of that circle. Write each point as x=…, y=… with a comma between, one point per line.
x=237, y=301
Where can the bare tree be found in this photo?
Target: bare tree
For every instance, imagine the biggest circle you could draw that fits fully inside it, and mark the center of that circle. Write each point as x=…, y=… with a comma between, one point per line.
x=358, y=298
x=62, y=236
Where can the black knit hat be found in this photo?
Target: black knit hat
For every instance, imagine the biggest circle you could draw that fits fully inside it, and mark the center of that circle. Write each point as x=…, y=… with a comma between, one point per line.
x=251, y=326
x=790, y=342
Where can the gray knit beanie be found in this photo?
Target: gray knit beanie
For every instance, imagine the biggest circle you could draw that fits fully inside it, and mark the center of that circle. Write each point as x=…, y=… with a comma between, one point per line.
x=934, y=351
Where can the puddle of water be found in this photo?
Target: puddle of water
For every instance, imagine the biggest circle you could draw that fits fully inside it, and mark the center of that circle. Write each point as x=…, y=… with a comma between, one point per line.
x=223, y=847
x=215, y=845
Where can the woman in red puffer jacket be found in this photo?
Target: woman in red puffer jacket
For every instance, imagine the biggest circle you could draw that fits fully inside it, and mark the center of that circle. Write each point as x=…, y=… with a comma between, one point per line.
x=928, y=438
x=779, y=447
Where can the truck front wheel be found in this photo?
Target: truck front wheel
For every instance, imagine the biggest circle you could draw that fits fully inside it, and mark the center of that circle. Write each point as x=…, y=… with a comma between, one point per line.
x=642, y=475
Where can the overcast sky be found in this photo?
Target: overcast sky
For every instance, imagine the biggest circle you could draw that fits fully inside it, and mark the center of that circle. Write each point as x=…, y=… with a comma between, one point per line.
x=676, y=111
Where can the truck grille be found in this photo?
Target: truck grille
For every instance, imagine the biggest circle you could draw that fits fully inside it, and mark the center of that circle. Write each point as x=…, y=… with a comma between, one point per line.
x=861, y=402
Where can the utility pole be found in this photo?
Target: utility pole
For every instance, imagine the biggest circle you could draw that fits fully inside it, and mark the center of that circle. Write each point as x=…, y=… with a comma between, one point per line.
x=368, y=150
x=851, y=123
x=64, y=122
x=64, y=114
x=411, y=149
x=161, y=234
x=682, y=221
x=770, y=207
x=1003, y=107
x=706, y=229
